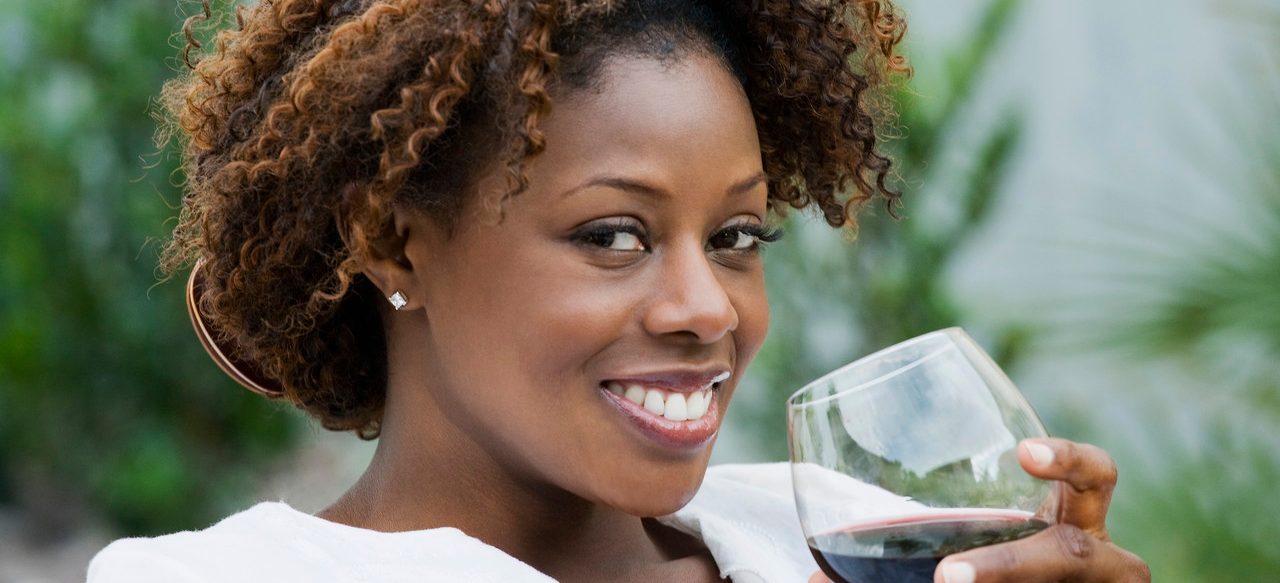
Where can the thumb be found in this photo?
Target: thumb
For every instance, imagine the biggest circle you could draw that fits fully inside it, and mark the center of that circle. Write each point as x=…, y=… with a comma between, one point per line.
x=819, y=578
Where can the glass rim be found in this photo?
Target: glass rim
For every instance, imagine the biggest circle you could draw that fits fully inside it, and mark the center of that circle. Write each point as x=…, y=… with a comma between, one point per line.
x=948, y=332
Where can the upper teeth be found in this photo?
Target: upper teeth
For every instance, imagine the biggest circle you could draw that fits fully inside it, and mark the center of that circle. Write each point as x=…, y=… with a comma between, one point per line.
x=672, y=405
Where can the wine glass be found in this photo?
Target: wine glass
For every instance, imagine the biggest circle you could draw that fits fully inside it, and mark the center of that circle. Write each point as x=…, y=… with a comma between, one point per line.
x=908, y=455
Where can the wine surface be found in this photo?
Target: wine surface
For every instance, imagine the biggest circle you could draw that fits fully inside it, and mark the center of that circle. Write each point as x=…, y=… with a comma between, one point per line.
x=907, y=549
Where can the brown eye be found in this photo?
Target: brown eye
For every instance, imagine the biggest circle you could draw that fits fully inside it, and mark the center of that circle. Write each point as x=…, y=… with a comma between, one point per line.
x=623, y=241
x=733, y=239
x=743, y=238
x=620, y=237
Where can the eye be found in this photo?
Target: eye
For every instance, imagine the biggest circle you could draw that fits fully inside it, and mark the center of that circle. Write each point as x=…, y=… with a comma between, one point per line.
x=624, y=241
x=619, y=236
x=741, y=240
x=745, y=237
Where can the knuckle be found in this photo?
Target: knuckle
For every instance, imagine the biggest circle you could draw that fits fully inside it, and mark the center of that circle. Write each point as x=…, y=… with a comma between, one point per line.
x=1138, y=571
x=1112, y=472
x=1073, y=543
x=1099, y=468
x=1108, y=472
x=1142, y=573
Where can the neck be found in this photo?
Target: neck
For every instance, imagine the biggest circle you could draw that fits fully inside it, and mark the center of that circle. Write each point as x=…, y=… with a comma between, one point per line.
x=424, y=475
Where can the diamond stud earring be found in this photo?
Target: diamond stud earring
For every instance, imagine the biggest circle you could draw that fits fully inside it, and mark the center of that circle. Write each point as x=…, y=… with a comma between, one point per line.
x=398, y=300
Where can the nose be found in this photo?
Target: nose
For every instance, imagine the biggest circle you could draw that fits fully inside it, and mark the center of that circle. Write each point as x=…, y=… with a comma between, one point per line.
x=688, y=298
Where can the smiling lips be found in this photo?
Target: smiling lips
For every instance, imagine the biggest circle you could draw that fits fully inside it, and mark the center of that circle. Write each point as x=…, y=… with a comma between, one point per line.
x=675, y=410
x=672, y=405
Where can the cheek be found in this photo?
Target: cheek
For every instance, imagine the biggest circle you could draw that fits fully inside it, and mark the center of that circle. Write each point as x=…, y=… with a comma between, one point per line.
x=533, y=315
x=511, y=351
x=752, y=304
x=567, y=323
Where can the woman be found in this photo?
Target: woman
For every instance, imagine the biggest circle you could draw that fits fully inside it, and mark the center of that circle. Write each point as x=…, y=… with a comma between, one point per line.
x=519, y=242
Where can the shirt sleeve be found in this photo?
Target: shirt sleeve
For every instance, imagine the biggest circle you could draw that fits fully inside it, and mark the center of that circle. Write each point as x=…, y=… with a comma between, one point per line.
x=125, y=562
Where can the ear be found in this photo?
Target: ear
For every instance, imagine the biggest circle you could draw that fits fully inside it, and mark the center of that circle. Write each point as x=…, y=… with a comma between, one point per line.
x=384, y=256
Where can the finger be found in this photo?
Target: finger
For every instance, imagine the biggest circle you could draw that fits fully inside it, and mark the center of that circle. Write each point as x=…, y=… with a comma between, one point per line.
x=1089, y=475
x=819, y=577
x=1059, y=553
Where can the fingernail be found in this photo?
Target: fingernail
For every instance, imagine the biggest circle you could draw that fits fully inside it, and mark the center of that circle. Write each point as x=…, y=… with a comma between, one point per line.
x=1040, y=453
x=958, y=572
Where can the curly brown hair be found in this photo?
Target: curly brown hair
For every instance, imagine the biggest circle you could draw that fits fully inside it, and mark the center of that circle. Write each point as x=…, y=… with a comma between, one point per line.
x=303, y=125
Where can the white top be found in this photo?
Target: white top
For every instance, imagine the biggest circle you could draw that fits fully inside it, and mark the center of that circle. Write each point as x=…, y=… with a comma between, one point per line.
x=744, y=514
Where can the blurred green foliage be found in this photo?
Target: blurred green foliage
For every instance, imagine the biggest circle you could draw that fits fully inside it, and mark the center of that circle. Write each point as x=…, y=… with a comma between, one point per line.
x=886, y=285
x=109, y=409
x=1208, y=509
x=1200, y=459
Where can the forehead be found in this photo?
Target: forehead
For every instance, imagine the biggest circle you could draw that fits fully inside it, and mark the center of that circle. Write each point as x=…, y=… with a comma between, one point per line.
x=659, y=117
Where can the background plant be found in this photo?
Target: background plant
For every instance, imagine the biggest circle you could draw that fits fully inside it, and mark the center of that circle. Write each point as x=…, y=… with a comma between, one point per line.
x=1132, y=296
x=108, y=409
x=1136, y=298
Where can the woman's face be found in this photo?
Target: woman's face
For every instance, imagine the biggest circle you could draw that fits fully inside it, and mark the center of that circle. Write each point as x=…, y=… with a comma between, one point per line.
x=628, y=271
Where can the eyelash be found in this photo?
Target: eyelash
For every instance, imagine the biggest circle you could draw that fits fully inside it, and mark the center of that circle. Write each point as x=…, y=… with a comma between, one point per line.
x=600, y=234
x=763, y=235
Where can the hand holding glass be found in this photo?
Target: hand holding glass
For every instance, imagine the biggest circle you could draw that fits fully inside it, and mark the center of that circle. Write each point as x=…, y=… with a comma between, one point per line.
x=910, y=454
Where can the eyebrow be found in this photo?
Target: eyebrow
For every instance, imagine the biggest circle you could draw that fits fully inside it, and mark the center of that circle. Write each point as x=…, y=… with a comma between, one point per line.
x=640, y=187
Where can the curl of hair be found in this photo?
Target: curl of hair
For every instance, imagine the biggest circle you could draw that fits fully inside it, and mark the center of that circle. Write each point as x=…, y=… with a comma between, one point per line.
x=303, y=125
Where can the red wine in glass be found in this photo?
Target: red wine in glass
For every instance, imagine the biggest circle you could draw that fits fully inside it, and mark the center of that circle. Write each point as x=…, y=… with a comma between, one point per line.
x=909, y=455
x=907, y=549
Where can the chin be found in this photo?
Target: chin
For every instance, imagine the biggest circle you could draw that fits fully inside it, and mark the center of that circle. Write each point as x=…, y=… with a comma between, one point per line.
x=655, y=505
x=657, y=493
